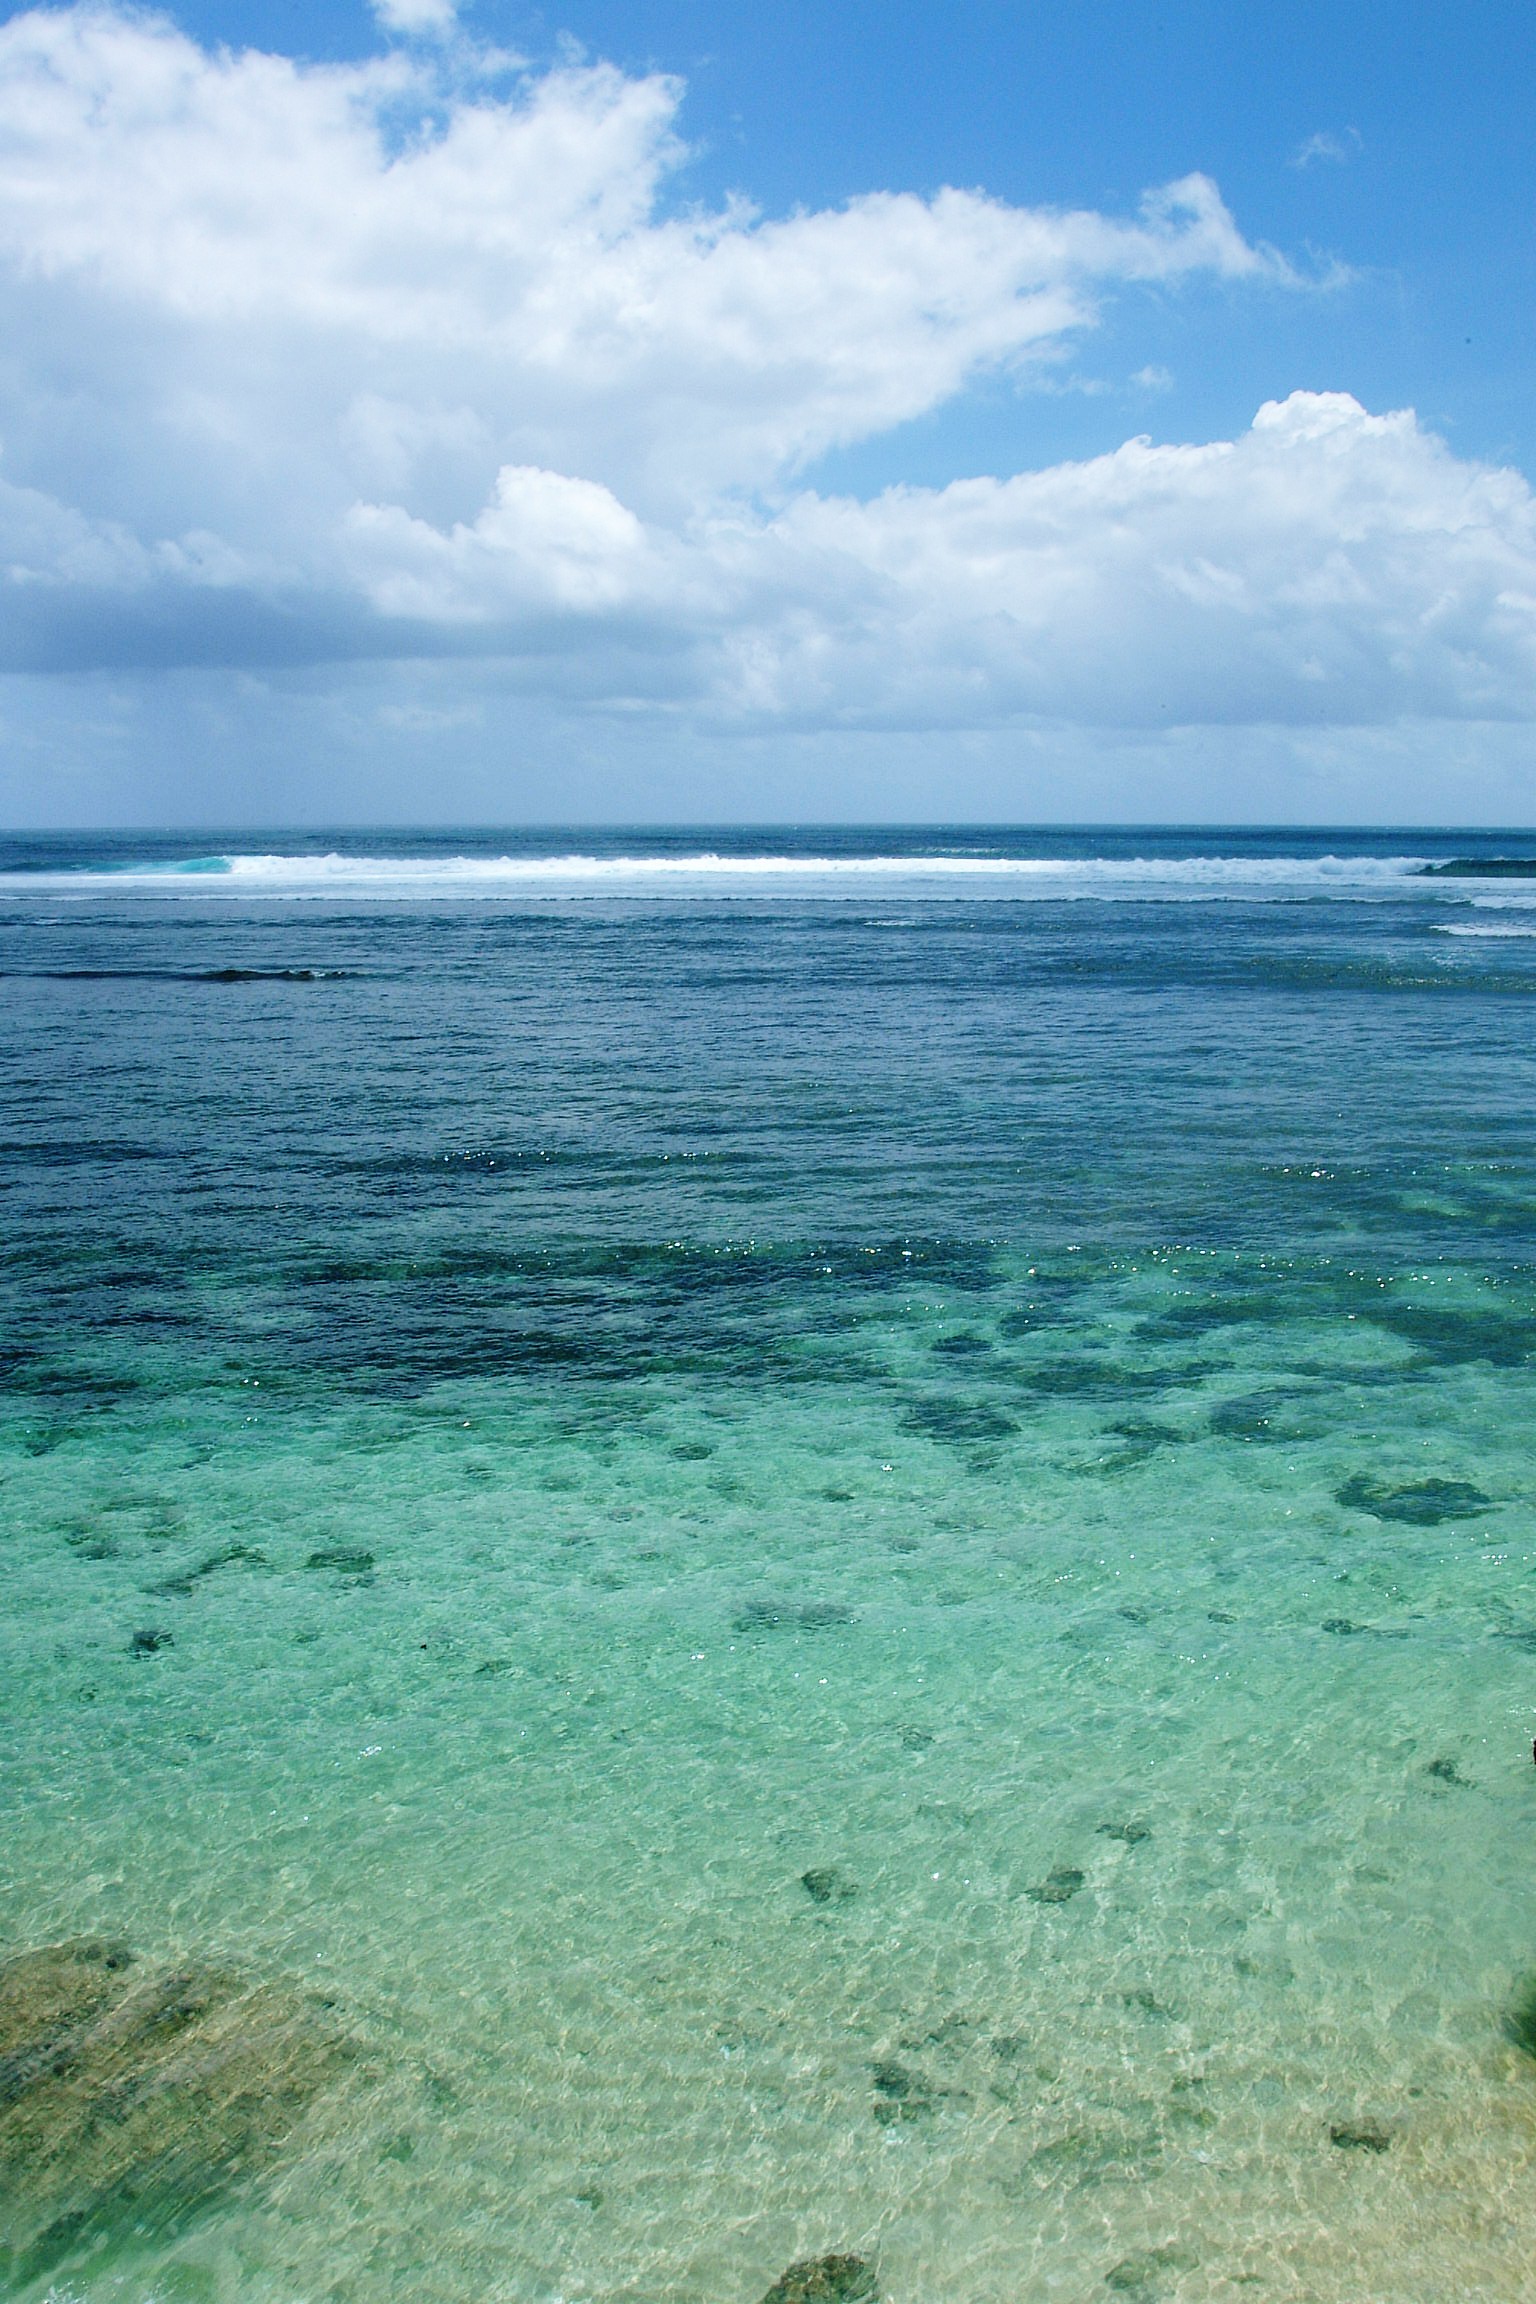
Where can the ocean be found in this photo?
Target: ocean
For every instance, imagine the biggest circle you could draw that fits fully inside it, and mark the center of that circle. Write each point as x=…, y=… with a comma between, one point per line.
x=734, y=1548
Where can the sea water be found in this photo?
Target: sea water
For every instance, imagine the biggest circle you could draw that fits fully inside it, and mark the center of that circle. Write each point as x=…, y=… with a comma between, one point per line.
x=832, y=1531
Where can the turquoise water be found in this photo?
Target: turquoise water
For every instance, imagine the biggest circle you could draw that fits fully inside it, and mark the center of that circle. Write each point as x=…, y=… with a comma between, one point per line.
x=842, y=1555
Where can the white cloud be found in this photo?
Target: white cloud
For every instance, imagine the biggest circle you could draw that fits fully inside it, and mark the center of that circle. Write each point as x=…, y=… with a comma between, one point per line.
x=417, y=19
x=240, y=254
x=543, y=542
x=1326, y=144
x=1327, y=566
x=411, y=358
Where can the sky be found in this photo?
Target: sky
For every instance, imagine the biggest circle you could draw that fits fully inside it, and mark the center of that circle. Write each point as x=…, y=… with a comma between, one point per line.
x=675, y=412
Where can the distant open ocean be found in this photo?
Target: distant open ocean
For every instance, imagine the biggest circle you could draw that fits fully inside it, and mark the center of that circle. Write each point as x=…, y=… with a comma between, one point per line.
x=730, y=1547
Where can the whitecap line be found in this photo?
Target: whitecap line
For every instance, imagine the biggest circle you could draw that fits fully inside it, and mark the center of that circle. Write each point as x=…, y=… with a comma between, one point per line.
x=1459, y=928
x=707, y=873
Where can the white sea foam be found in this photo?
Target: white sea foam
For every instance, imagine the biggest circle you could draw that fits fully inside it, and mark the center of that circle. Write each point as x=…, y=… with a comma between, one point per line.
x=706, y=874
x=1460, y=928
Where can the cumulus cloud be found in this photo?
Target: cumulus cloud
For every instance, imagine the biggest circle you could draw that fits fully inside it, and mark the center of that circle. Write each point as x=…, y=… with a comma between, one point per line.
x=420, y=357
x=1327, y=566
x=277, y=262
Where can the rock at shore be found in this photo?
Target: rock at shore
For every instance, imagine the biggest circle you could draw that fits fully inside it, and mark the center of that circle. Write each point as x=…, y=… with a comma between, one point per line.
x=133, y=2097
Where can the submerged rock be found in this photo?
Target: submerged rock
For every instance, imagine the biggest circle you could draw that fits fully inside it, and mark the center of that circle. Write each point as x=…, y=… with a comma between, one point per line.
x=894, y=2080
x=93, y=1544
x=824, y=1884
x=825, y=2280
x=952, y=2031
x=1360, y=2136
x=1106, y=2152
x=1145, y=2272
x=1520, y=2017
x=1058, y=1886
x=227, y=1556
x=150, y=1641
x=131, y=2099
x=44, y=1993
x=348, y=1561
x=903, y=2094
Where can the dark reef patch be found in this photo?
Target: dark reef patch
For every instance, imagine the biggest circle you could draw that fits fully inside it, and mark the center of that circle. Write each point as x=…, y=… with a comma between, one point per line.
x=350, y=1563
x=444, y=1309
x=961, y=1421
x=1416, y=1503
x=1144, y=1432
x=1179, y=1322
x=181, y=975
x=228, y=1556
x=1264, y=1416
x=1456, y=1337
x=92, y=1543
x=1087, y=1376
x=793, y=1616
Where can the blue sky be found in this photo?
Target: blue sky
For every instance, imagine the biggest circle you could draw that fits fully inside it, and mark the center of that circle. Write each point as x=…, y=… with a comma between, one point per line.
x=331, y=548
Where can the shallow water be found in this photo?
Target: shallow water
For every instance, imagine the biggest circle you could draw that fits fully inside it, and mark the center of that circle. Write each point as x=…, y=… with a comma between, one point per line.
x=844, y=1574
